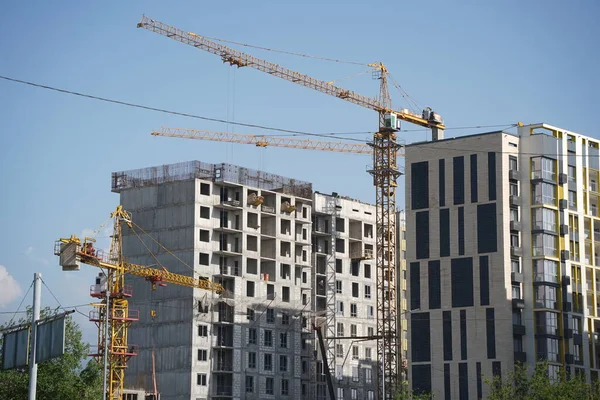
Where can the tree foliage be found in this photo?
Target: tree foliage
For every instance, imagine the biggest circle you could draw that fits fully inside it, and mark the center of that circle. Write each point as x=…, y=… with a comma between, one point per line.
x=404, y=393
x=60, y=378
x=519, y=385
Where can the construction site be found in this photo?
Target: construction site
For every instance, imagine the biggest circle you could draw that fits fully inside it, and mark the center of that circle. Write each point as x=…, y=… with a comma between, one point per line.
x=477, y=256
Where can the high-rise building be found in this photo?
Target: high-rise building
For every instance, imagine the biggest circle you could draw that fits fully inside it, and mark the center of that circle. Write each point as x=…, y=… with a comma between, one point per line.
x=503, y=249
x=345, y=294
x=287, y=257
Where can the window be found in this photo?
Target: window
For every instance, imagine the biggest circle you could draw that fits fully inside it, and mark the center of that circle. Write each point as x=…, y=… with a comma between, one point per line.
x=340, y=393
x=269, y=386
x=354, y=289
x=340, y=246
x=355, y=373
x=355, y=268
x=353, y=330
x=517, y=318
x=368, y=353
x=543, y=193
x=251, y=266
x=339, y=372
x=252, y=360
x=340, y=329
x=545, y=296
x=517, y=344
x=370, y=331
x=339, y=224
x=367, y=291
x=353, y=394
x=355, y=352
x=268, y=361
x=283, y=363
x=544, y=218
x=204, y=259
x=283, y=340
x=252, y=336
x=514, y=214
x=544, y=245
x=515, y=266
x=370, y=312
x=340, y=308
x=202, y=330
x=513, y=189
x=249, y=288
x=250, y=313
x=201, y=379
x=545, y=271
x=285, y=319
x=546, y=323
x=370, y=395
x=268, y=338
x=512, y=163
x=572, y=174
x=516, y=291
x=285, y=387
x=204, y=235
x=338, y=266
x=304, y=212
x=270, y=316
x=205, y=189
x=572, y=200
x=367, y=271
x=514, y=240
x=338, y=287
x=353, y=310
x=368, y=375
x=205, y=212
x=576, y=324
x=547, y=349
x=249, y=384
x=285, y=294
x=543, y=168
x=339, y=350
x=251, y=243
x=202, y=355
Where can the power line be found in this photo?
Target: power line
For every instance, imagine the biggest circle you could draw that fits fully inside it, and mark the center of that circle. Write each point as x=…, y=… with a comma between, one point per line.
x=89, y=96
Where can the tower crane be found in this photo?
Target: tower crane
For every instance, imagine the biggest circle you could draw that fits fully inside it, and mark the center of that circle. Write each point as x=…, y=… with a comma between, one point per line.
x=113, y=317
x=385, y=174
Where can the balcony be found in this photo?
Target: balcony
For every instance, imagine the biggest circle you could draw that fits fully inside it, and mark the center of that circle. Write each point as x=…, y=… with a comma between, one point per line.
x=229, y=204
x=224, y=390
x=366, y=254
x=577, y=339
x=569, y=358
x=564, y=255
x=520, y=356
x=518, y=303
x=516, y=277
x=515, y=200
x=568, y=334
x=518, y=330
x=563, y=204
x=515, y=225
x=514, y=175
x=516, y=251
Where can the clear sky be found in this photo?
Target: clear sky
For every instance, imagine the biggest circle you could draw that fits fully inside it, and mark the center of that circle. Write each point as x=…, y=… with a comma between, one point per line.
x=474, y=62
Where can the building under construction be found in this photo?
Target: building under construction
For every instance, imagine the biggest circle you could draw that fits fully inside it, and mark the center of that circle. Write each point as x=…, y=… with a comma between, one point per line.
x=288, y=259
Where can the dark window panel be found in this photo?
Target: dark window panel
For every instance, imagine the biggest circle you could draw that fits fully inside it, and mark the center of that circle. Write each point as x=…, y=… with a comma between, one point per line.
x=463, y=381
x=459, y=180
x=447, y=388
x=444, y=232
x=461, y=271
x=421, y=379
x=484, y=281
x=421, y=337
x=422, y=234
x=497, y=369
x=490, y=330
x=419, y=183
x=435, y=288
x=442, y=183
x=447, y=334
x=492, y=175
x=473, y=178
x=415, y=285
x=461, y=231
x=479, y=385
x=463, y=334
x=487, y=232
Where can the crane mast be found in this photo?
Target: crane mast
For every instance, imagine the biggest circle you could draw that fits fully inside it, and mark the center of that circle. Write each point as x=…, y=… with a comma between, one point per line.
x=385, y=174
x=112, y=315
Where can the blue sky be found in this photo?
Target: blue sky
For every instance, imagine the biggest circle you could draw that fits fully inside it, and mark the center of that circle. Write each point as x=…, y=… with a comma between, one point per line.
x=474, y=62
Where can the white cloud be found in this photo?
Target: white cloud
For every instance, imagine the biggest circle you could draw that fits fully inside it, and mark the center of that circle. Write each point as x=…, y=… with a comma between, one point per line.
x=10, y=288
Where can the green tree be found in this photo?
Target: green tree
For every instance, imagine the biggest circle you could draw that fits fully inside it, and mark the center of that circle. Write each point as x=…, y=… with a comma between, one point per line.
x=404, y=393
x=64, y=377
x=519, y=385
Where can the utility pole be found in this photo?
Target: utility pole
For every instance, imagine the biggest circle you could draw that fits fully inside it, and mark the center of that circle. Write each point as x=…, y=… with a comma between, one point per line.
x=37, y=300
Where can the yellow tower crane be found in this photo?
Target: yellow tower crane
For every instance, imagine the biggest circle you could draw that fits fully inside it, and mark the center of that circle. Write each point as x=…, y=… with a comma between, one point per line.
x=114, y=320
x=385, y=174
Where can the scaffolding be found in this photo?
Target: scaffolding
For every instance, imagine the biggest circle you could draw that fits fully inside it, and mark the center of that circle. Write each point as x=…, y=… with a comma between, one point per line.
x=221, y=173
